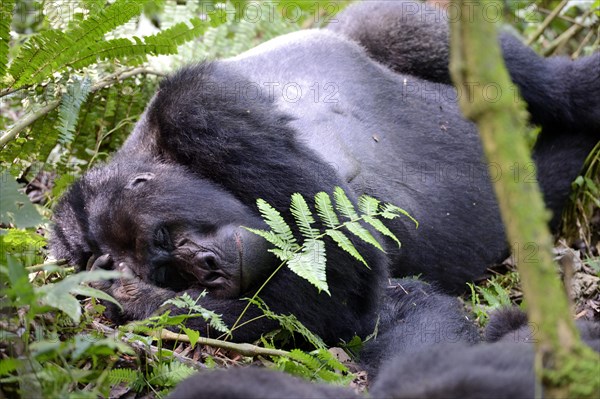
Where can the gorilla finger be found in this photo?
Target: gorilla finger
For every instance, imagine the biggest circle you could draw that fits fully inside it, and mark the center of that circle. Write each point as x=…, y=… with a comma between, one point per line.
x=104, y=262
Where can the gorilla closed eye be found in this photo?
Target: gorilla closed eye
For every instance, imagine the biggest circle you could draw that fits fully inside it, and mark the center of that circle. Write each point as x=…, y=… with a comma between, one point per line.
x=162, y=239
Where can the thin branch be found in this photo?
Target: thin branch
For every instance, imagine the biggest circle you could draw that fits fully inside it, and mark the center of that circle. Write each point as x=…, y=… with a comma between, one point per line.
x=547, y=22
x=566, y=35
x=30, y=118
x=242, y=349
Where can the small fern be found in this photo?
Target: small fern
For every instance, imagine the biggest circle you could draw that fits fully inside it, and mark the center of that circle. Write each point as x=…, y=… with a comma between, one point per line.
x=308, y=259
x=68, y=113
x=185, y=301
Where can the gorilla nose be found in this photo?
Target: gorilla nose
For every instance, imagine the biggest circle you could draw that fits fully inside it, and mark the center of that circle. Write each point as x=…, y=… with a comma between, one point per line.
x=207, y=261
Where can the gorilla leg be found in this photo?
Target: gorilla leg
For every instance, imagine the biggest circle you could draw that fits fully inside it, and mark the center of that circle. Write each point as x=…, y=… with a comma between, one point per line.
x=562, y=96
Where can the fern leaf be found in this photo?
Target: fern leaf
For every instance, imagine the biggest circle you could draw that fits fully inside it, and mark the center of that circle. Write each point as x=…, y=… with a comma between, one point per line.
x=344, y=243
x=309, y=361
x=284, y=249
x=368, y=205
x=6, y=10
x=68, y=113
x=303, y=216
x=169, y=374
x=343, y=204
x=325, y=210
x=118, y=376
x=382, y=228
x=50, y=50
x=390, y=211
x=277, y=224
x=310, y=264
x=289, y=323
x=364, y=234
x=330, y=360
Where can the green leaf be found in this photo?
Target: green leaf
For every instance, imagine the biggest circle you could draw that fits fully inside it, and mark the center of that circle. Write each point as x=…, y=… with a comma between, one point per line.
x=364, y=234
x=8, y=365
x=380, y=227
x=303, y=216
x=390, y=211
x=193, y=335
x=344, y=242
x=368, y=205
x=310, y=264
x=279, y=226
x=285, y=250
x=343, y=204
x=325, y=210
x=6, y=10
x=60, y=295
x=94, y=293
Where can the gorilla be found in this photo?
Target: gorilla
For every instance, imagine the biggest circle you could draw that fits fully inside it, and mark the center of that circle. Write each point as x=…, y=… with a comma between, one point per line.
x=304, y=113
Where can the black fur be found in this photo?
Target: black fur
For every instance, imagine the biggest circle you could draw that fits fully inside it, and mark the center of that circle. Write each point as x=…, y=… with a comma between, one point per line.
x=168, y=207
x=415, y=316
x=512, y=325
x=254, y=383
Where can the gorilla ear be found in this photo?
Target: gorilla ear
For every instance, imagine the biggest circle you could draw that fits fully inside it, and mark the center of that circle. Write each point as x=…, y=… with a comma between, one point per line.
x=140, y=179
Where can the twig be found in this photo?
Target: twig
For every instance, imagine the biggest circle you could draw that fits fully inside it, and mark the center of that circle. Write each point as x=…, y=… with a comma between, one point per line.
x=547, y=22
x=566, y=35
x=584, y=42
x=242, y=349
x=147, y=349
x=29, y=119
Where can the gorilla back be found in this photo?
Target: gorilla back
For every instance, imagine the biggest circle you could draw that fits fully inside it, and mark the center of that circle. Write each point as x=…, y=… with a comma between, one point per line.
x=302, y=113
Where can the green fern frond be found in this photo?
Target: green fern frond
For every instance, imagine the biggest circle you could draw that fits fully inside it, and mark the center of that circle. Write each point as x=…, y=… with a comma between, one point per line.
x=68, y=112
x=289, y=323
x=6, y=10
x=284, y=250
x=382, y=228
x=344, y=242
x=169, y=374
x=343, y=204
x=325, y=210
x=127, y=376
x=303, y=216
x=330, y=360
x=390, y=211
x=279, y=226
x=310, y=264
x=362, y=233
x=306, y=359
x=50, y=50
x=368, y=205
x=136, y=51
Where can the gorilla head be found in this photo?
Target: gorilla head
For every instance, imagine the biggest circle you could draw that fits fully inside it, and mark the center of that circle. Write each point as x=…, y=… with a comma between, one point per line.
x=163, y=223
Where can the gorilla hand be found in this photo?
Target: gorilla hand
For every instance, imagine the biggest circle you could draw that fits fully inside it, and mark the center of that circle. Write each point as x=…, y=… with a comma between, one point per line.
x=137, y=298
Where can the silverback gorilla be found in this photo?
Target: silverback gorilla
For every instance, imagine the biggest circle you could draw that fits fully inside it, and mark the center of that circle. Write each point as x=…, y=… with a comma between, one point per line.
x=304, y=113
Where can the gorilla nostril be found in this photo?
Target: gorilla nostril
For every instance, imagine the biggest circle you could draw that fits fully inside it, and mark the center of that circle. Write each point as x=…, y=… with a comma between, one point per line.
x=210, y=261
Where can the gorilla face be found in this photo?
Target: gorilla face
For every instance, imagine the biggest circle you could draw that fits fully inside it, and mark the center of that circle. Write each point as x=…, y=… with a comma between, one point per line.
x=158, y=220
